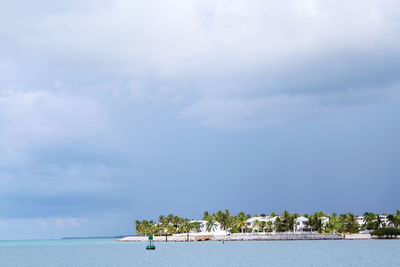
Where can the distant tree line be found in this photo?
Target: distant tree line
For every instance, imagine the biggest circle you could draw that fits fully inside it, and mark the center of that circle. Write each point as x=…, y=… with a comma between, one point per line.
x=337, y=223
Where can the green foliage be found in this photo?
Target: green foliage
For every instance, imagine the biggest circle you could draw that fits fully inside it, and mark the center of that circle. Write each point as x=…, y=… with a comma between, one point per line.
x=351, y=225
x=145, y=227
x=240, y=222
x=206, y=215
x=395, y=219
x=211, y=225
x=388, y=232
x=334, y=224
x=316, y=223
x=269, y=227
x=343, y=223
x=280, y=226
x=224, y=218
x=258, y=225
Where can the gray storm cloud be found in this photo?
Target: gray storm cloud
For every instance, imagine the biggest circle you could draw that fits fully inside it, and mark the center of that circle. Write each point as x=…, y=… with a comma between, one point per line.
x=98, y=98
x=210, y=51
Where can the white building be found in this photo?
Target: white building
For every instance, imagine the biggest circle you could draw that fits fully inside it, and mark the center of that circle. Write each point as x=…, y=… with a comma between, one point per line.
x=301, y=224
x=250, y=222
x=385, y=222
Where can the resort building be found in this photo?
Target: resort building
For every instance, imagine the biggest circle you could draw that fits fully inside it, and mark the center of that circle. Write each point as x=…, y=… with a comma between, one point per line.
x=301, y=224
x=385, y=222
x=251, y=222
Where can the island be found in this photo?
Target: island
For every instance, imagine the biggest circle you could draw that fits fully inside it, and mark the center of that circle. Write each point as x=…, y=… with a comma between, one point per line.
x=223, y=226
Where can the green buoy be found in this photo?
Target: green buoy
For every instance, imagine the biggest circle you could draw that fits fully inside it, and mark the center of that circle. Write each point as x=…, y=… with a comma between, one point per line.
x=150, y=246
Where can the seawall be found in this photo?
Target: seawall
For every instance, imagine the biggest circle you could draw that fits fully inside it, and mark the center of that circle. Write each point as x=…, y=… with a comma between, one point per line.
x=234, y=237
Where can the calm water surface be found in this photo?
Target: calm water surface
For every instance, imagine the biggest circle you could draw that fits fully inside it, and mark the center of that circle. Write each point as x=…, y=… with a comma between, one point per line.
x=108, y=252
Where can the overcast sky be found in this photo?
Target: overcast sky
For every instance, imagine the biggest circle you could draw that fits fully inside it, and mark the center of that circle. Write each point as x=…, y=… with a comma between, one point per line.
x=117, y=110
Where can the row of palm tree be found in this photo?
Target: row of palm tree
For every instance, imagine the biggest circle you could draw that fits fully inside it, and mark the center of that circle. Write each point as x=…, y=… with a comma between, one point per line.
x=166, y=225
x=342, y=223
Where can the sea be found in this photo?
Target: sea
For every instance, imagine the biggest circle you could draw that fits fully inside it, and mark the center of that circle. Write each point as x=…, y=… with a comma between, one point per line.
x=109, y=252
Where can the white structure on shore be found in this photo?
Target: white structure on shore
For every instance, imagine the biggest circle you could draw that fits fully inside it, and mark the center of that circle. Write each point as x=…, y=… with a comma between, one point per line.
x=384, y=221
x=251, y=222
x=301, y=224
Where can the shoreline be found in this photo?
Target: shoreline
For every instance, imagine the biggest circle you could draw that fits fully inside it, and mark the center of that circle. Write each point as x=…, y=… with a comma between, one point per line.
x=236, y=237
x=255, y=237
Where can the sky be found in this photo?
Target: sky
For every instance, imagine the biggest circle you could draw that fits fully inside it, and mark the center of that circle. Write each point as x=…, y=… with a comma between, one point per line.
x=118, y=110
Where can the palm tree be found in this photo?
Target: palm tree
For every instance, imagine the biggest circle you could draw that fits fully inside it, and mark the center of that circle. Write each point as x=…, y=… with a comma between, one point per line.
x=378, y=221
x=270, y=226
x=279, y=225
x=289, y=220
x=316, y=223
x=186, y=227
x=285, y=218
x=176, y=222
x=211, y=225
x=224, y=219
x=195, y=226
x=273, y=214
x=171, y=229
x=342, y=223
x=163, y=222
x=351, y=223
x=397, y=220
x=137, y=226
x=257, y=225
x=369, y=218
x=394, y=220
x=146, y=227
x=263, y=225
x=241, y=222
x=169, y=218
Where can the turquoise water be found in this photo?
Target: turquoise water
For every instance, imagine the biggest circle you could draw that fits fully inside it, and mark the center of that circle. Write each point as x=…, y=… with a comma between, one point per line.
x=108, y=252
